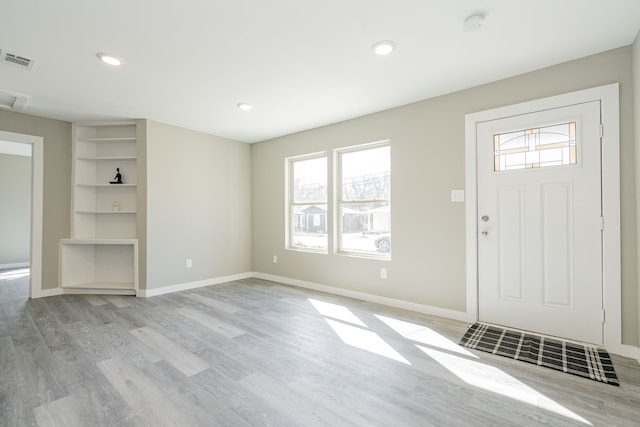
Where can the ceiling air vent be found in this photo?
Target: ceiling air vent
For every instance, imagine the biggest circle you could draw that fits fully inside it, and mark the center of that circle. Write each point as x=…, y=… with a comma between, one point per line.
x=18, y=61
x=13, y=101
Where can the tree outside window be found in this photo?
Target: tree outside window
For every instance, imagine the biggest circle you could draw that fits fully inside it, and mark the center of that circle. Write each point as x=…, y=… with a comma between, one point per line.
x=364, y=200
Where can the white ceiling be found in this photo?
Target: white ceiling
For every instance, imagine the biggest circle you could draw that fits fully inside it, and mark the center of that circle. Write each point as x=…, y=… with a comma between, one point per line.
x=302, y=63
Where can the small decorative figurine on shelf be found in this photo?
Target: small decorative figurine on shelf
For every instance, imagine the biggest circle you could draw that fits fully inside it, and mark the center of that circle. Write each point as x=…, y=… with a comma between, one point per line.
x=117, y=178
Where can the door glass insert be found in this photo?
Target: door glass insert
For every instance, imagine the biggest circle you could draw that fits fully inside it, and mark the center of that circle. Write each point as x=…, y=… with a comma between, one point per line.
x=553, y=145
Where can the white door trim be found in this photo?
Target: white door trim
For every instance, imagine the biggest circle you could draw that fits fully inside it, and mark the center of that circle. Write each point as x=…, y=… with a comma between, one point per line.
x=612, y=285
x=37, y=173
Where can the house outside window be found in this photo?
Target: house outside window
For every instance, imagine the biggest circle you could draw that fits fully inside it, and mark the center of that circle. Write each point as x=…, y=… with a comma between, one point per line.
x=307, y=203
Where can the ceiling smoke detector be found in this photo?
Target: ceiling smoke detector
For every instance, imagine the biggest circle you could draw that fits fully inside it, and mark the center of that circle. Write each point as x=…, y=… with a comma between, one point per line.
x=474, y=23
x=16, y=60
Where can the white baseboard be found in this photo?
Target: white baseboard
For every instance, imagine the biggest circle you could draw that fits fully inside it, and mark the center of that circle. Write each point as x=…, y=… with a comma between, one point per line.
x=625, y=351
x=405, y=305
x=88, y=291
x=621, y=350
x=43, y=293
x=192, y=285
x=14, y=265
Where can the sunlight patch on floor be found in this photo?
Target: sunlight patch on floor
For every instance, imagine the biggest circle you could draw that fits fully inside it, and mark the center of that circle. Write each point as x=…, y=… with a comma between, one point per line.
x=424, y=335
x=365, y=340
x=497, y=381
x=14, y=274
x=336, y=311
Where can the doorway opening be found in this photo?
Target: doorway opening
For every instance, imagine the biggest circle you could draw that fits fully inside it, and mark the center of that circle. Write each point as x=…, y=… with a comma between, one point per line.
x=15, y=267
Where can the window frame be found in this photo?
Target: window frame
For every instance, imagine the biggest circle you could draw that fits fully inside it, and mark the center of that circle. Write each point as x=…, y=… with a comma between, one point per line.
x=338, y=202
x=290, y=202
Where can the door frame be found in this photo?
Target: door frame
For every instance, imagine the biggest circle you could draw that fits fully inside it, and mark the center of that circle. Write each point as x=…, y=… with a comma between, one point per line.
x=37, y=192
x=611, y=269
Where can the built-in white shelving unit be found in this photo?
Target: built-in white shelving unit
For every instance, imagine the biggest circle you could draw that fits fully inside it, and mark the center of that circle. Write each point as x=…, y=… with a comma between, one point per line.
x=102, y=254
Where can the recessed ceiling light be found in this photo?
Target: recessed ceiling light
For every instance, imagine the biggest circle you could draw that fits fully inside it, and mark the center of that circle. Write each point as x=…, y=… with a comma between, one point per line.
x=110, y=59
x=244, y=106
x=383, y=47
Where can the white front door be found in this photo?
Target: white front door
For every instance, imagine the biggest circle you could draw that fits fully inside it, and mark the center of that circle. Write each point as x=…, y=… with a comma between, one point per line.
x=539, y=222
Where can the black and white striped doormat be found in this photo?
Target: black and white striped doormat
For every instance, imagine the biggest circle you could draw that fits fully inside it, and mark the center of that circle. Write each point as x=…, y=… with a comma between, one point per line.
x=582, y=360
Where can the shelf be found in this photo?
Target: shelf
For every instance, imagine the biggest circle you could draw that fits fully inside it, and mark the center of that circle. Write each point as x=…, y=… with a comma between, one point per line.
x=108, y=185
x=110, y=139
x=107, y=158
x=104, y=123
x=100, y=288
x=106, y=212
x=101, y=285
x=98, y=241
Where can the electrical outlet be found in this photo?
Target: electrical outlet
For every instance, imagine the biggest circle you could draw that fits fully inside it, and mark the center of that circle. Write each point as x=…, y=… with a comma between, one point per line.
x=275, y=259
x=383, y=273
x=189, y=263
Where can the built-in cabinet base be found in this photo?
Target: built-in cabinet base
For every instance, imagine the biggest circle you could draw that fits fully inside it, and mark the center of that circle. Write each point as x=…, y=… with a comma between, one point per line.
x=108, y=266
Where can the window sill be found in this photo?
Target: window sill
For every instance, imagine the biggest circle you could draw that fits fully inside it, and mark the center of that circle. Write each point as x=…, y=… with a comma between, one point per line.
x=307, y=250
x=377, y=257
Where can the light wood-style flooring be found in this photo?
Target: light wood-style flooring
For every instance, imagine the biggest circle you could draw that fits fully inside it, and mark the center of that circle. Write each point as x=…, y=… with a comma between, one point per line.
x=257, y=353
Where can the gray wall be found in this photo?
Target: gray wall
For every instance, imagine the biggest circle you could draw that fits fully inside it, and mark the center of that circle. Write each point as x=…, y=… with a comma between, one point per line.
x=427, y=138
x=198, y=206
x=57, y=183
x=15, y=209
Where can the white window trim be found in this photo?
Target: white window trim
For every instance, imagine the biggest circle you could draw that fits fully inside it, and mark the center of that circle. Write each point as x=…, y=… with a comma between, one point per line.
x=337, y=205
x=289, y=221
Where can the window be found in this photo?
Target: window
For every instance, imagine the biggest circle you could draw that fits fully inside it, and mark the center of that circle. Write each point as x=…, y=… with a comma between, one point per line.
x=307, y=203
x=362, y=201
x=553, y=145
x=363, y=192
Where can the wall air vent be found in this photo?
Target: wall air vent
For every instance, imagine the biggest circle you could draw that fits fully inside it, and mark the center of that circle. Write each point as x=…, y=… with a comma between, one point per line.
x=13, y=101
x=18, y=61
